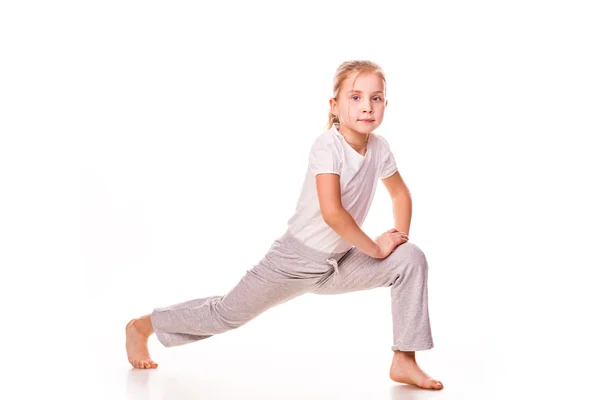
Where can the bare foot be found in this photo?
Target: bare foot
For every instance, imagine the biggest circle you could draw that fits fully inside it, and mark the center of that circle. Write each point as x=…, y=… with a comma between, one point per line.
x=137, y=332
x=404, y=369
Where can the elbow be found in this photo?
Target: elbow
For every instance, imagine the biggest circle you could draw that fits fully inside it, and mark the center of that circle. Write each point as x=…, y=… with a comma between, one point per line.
x=332, y=216
x=402, y=196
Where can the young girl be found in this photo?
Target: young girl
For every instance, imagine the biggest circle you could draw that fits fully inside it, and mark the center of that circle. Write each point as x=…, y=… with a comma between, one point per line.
x=324, y=250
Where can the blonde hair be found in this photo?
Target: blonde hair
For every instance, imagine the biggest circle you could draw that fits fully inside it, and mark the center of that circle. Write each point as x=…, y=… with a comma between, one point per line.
x=343, y=72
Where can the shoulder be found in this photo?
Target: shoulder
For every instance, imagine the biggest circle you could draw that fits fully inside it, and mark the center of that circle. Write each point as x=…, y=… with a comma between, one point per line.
x=325, y=155
x=381, y=141
x=327, y=140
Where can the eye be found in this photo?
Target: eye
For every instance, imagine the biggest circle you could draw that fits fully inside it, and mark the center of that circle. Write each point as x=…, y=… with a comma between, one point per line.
x=377, y=97
x=354, y=97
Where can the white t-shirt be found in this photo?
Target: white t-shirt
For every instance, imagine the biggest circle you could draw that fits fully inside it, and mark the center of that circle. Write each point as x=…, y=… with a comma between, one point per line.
x=330, y=153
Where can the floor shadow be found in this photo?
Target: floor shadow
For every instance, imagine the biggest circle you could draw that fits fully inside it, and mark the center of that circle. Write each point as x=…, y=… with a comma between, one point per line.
x=410, y=392
x=138, y=383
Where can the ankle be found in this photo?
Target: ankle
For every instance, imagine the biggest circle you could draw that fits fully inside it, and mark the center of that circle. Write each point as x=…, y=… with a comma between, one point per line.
x=405, y=355
x=144, y=325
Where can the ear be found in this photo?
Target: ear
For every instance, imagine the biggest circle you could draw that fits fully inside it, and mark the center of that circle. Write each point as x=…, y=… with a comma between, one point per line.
x=333, y=107
x=386, y=102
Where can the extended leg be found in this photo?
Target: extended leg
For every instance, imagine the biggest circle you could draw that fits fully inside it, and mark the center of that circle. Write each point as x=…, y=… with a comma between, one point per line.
x=263, y=287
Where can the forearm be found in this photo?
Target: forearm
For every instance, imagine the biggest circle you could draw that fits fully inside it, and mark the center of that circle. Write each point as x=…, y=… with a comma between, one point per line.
x=344, y=225
x=402, y=208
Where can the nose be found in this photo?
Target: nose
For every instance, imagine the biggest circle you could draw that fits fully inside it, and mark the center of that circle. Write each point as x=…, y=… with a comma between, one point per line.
x=367, y=107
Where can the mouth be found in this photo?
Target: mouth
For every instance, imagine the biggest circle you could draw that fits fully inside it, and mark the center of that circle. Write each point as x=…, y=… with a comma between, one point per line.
x=366, y=120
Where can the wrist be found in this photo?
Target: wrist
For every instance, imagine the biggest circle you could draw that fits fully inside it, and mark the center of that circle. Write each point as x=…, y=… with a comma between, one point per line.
x=376, y=251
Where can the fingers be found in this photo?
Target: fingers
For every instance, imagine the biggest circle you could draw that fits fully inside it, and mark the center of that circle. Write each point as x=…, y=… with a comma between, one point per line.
x=396, y=231
x=397, y=237
x=400, y=237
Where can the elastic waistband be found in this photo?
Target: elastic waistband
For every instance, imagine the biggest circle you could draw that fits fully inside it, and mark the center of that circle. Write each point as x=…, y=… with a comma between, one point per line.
x=290, y=241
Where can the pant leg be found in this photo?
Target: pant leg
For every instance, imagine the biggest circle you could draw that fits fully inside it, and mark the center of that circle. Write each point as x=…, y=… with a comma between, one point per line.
x=279, y=276
x=405, y=271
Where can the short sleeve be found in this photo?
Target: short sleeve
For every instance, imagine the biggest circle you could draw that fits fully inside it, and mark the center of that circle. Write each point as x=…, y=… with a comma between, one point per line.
x=389, y=165
x=323, y=159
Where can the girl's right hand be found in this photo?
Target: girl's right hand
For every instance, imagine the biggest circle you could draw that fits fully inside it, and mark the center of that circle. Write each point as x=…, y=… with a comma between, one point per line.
x=388, y=241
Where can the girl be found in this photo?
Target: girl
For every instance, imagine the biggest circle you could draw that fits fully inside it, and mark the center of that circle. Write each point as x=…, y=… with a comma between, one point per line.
x=324, y=250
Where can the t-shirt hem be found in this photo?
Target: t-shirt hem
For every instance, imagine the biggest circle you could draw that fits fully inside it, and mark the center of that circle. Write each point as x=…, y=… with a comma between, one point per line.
x=387, y=176
x=325, y=172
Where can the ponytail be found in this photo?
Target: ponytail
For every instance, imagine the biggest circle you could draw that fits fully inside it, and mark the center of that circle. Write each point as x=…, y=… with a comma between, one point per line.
x=332, y=119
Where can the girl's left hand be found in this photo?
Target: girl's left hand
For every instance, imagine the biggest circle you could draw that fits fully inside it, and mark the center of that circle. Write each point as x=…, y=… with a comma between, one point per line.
x=404, y=235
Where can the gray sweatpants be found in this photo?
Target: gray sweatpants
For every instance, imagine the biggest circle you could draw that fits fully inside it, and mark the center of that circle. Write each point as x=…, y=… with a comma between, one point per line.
x=290, y=269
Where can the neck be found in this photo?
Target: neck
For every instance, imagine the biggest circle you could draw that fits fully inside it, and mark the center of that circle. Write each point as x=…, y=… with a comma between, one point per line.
x=354, y=138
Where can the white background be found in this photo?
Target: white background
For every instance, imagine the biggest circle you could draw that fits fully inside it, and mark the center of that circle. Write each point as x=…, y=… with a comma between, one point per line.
x=151, y=152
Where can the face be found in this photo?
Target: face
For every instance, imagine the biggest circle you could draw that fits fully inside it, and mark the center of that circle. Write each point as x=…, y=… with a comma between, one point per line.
x=360, y=108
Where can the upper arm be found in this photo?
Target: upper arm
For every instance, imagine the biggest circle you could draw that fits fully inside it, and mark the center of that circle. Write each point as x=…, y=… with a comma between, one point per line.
x=326, y=166
x=329, y=193
x=395, y=185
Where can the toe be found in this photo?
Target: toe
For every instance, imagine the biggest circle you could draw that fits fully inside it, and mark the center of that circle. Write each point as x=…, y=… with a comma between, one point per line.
x=432, y=384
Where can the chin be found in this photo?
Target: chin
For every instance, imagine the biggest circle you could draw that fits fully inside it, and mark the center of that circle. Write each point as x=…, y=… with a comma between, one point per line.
x=366, y=130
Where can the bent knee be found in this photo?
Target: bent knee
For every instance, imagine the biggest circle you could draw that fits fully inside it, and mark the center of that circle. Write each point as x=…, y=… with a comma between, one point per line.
x=410, y=253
